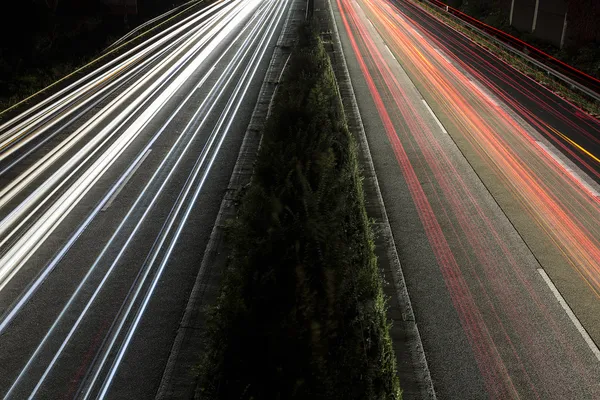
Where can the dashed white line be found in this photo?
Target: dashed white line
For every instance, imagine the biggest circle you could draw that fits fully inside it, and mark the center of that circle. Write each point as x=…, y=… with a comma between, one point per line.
x=570, y=313
x=443, y=56
x=571, y=172
x=417, y=33
x=390, y=51
x=434, y=116
x=483, y=93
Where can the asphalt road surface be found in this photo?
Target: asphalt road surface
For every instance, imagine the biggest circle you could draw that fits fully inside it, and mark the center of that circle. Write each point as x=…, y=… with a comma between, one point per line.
x=490, y=184
x=109, y=190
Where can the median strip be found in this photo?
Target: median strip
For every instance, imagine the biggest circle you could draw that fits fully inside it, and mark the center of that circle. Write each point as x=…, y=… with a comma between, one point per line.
x=301, y=312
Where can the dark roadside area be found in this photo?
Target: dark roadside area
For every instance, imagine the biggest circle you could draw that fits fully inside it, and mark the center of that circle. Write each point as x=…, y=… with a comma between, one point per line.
x=44, y=41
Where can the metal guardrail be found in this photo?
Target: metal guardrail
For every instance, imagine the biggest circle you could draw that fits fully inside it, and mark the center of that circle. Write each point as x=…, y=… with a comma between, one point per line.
x=574, y=78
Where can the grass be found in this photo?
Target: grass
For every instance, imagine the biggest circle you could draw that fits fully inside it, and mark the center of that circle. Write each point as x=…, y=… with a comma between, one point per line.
x=587, y=104
x=301, y=313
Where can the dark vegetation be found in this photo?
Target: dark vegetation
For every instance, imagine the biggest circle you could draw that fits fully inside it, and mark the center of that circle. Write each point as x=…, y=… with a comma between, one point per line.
x=301, y=314
x=44, y=40
x=582, y=45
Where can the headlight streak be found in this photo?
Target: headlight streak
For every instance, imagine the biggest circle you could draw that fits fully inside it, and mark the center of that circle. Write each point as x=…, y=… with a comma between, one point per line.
x=229, y=73
x=28, y=243
x=14, y=310
x=9, y=191
x=96, y=99
x=31, y=131
x=464, y=220
x=9, y=315
x=249, y=75
x=57, y=100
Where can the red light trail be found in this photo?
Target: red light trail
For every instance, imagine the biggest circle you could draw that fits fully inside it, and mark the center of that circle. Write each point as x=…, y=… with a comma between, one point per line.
x=528, y=181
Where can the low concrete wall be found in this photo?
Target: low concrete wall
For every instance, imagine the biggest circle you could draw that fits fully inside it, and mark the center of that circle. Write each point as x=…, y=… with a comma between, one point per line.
x=522, y=14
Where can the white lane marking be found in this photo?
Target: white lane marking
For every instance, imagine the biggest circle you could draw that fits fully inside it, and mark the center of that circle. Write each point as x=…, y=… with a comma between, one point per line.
x=416, y=33
x=443, y=56
x=372, y=26
x=570, y=313
x=390, y=51
x=127, y=178
x=484, y=93
x=571, y=172
x=434, y=116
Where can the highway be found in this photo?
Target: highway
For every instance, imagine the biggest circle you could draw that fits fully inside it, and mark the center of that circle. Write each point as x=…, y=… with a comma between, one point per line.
x=109, y=191
x=491, y=187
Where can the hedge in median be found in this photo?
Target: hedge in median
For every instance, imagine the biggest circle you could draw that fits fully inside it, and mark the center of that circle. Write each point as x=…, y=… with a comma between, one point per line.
x=301, y=314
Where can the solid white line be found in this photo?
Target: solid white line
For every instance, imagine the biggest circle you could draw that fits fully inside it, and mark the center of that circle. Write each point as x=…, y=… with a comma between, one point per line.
x=122, y=185
x=570, y=313
x=574, y=174
x=434, y=116
x=372, y=26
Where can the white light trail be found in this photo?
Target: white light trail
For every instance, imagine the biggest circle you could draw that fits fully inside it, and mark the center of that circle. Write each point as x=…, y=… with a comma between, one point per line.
x=206, y=161
x=29, y=242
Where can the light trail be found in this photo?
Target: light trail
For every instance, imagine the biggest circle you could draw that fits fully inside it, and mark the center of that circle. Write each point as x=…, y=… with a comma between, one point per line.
x=257, y=21
x=29, y=242
x=227, y=117
x=63, y=98
x=503, y=310
x=550, y=207
x=160, y=76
